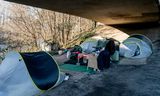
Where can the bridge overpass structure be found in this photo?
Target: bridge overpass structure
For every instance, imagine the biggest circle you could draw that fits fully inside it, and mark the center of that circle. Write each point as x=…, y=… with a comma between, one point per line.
x=109, y=12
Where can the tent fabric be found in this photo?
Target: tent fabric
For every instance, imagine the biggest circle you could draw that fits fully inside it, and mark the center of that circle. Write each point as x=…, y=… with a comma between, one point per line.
x=42, y=68
x=115, y=56
x=136, y=46
x=14, y=78
x=28, y=74
x=91, y=44
x=88, y=46
x=143, y=38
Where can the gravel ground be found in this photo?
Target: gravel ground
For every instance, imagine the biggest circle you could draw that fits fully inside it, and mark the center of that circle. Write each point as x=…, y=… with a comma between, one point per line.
x=118, y=80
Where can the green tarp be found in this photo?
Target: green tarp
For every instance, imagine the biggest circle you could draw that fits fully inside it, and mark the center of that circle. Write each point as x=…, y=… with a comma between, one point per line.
x=77, y=68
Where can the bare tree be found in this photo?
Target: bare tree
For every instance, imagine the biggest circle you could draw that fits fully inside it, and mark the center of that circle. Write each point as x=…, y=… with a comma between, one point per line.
x=29, y=27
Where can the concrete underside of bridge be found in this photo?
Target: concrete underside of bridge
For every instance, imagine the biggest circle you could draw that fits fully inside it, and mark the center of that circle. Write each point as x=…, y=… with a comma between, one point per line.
x=106, y=11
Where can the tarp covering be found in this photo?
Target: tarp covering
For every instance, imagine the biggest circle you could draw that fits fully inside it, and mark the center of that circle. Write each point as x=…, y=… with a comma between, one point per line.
x=27, y=74
x=76, y=68
x=136, y=46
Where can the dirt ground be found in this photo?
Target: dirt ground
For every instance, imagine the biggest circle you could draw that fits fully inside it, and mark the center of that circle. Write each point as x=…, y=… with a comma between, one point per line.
x=118, y=80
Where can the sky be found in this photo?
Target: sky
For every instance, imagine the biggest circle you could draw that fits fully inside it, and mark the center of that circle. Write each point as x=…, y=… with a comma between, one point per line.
x=3, y=4
x=3, y=10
